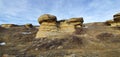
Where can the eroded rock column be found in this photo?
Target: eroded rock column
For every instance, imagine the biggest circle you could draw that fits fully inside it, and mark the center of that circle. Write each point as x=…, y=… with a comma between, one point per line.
x=48, y=26
x=71, y=24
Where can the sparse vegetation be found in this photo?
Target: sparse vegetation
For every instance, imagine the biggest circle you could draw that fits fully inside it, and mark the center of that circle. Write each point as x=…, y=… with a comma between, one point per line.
x=80, y=31
x=96, y=41
x=105, y=36
x=108, y=37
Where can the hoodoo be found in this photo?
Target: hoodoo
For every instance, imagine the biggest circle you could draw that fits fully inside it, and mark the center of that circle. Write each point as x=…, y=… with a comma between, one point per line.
x=115, y=22
x=49, y=26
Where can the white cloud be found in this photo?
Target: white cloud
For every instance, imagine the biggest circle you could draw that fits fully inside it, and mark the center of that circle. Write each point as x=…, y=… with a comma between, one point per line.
x=102, y=10
x=27, y=11
x=13, y=7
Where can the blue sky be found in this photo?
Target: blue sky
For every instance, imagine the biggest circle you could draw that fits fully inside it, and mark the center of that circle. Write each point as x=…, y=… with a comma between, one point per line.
x=28, y=11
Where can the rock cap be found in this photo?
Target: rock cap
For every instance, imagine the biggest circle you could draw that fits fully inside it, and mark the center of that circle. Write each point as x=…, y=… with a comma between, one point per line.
x=80, y=19
x=47, y=18
x=116, y=15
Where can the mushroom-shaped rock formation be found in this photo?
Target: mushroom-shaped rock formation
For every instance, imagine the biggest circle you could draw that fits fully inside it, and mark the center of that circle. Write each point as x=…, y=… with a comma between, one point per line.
x=49, y=26
x=115, y=22
x=48, y=22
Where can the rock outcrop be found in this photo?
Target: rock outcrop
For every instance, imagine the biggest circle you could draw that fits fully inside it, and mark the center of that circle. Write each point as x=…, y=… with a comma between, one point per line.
x=28, y=26
x=8, y=25
x=115, y=22
x=70, y=24
x=49, y=26
x=109, y=22
x=47, y=18
x=117, y=17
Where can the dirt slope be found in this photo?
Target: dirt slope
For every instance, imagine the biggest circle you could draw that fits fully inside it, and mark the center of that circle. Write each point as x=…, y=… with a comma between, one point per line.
x=94, y=40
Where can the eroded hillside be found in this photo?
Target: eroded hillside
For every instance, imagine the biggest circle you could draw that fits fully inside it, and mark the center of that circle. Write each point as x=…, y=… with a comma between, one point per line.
x=90, y=40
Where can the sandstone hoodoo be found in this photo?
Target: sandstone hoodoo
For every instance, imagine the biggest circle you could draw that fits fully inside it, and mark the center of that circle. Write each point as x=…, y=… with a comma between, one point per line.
x=71, y=24
x=48, y=22
x=115, y=22
x=49, y=26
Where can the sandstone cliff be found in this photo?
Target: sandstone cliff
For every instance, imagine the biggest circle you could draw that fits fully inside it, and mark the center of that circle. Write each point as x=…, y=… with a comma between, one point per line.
x=49, y=26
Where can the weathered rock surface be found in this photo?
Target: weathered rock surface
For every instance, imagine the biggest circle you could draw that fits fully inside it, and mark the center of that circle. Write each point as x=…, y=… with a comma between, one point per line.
x=8, y=25
x=70, y=24
x=93, y=40
x=47, y=18
x=117, y=17
x=28, y=26
x=49, y=26
x=115, y=22
x=109, y=22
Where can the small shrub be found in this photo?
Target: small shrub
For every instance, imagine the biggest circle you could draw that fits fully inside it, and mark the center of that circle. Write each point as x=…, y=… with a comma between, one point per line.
x=46, y=44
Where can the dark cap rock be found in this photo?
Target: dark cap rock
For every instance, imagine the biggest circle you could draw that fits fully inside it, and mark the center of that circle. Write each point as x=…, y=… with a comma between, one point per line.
x=116, y=15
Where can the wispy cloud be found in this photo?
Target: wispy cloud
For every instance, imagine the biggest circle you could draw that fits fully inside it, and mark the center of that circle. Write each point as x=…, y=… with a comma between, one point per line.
x=13, y=7
x=27, y=11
